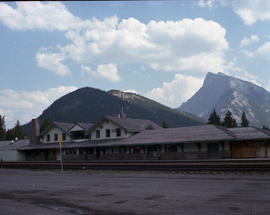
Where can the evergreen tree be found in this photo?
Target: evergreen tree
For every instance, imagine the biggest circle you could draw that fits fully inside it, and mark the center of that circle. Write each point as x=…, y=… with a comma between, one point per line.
x=10, y=135
x=244, y=120
x=16, y=132
x=2, y=128
x=214, y=118
x=265, y=128
x=46, y=122
x=234, y=123
x=164, y=124
x=229, y=121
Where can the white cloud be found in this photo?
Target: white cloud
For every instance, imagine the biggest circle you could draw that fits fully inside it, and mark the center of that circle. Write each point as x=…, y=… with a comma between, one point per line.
x=196, y=64
x=246, y=41
x=174, y=93
x=25, y=105
x=268, y=87
x=249, y=77
x=164, y=45
x=52, y=62
x=241, y=73
x=203, y=3
x=39, y=16
x=167, y=46
x=247, y=53
x=86, y=69
x=107, y=71
x=264, y=50
x=211, y=3
x=250, y=11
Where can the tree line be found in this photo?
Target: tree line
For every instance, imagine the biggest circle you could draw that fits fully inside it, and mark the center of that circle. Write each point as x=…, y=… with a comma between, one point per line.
x=13, y=133
x=17, y=132
x=229, y=121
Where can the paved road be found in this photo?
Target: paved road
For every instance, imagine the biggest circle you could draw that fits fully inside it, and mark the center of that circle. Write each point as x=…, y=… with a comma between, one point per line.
x=25, y=192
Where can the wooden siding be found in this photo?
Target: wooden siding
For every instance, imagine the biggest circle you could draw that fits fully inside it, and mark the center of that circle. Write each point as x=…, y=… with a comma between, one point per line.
x=244, y=150
x=264, y=150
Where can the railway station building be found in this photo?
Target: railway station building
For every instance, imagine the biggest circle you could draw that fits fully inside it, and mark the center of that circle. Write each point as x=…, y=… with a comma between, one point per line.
x=121, y=138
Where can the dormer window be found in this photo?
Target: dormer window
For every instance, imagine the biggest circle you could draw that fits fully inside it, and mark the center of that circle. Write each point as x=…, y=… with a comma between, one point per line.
x=108, y=133
x=55, y=137
x=97, y=134
x=118, y=132
x=48, y=138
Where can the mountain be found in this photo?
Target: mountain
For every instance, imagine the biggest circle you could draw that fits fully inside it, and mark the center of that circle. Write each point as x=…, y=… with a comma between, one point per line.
x=89, y=105
x=224, y=93
x=157, y=108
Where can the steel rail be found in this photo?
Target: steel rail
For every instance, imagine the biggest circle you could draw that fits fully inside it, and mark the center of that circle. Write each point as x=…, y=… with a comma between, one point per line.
x=213, y=165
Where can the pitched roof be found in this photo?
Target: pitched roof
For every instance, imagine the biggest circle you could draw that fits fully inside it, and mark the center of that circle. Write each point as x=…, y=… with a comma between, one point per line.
x=13, y=145
x=133, y=125
x=203, y=133
x=246, y=133
x=85, y=126
x=64, y=126
x=81, y=144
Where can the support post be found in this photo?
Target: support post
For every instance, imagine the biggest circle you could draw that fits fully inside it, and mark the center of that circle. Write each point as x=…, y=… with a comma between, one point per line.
x=61, y=157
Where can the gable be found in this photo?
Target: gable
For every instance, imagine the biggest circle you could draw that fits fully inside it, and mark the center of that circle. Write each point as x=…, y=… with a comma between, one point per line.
x=53, y=129
x=107, y=125
x=76, y=128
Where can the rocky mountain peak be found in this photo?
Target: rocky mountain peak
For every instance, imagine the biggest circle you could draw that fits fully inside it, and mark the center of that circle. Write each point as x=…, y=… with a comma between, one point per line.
x=224, y=92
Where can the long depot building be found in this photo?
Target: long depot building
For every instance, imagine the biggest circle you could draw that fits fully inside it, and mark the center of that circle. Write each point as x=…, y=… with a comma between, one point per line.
x=121, y=138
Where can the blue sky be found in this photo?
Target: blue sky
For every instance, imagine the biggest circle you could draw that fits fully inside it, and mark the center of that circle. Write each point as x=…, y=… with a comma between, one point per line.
x=159, y=49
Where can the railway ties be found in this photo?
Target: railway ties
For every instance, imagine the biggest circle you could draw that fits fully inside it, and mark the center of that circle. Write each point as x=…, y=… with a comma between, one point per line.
x=202, y=165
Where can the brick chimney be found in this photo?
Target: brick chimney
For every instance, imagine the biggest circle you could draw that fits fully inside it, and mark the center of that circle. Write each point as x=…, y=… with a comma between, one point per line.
x=34, y=132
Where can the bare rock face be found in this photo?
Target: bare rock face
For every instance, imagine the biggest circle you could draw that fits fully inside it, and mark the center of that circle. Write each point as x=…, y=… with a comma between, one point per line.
x=224, y=93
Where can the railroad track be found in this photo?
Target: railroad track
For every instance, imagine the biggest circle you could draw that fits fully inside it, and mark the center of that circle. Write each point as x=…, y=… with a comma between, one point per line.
x=199, y=165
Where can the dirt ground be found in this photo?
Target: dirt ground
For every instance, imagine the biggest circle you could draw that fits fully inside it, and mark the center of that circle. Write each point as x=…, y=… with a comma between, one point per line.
x=26, y=192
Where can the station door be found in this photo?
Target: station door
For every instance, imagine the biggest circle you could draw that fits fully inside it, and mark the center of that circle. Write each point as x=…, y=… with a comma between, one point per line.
x=213, y=150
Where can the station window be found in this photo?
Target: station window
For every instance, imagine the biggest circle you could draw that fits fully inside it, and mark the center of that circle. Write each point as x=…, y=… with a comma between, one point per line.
x=48, y=138
x=118, y=132
x=64, y=136
x=223, y=146
x=122, y=149
x=55, y=137
x=108, y=132
x=90, y=151
x=97, y=133
x=199, y=147
x=172, y=148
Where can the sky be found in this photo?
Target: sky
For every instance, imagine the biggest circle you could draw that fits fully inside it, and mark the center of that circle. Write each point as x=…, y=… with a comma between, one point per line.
x=159, y=49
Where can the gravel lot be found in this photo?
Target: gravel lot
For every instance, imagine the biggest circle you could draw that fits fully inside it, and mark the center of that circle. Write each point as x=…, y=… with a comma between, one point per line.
x=26, y=192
